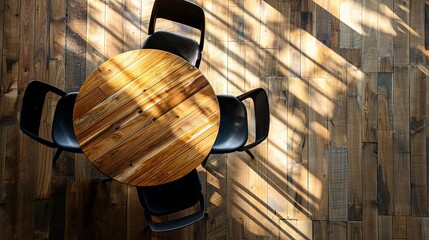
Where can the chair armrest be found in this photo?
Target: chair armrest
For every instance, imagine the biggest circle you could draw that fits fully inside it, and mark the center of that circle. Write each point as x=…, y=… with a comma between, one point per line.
x=47, y=87
x=40, y=140
x=252, y=94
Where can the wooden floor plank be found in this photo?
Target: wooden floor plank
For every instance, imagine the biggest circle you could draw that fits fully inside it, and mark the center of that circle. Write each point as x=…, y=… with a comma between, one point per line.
x=41, y=46
x=350, y=16
x=114, y=40
x=307, y=54
x=354, y=230
x=414, y=227
x=417, y=24
x=384, y=227
x=321, y=230
x=419, y=203
x=96, y=29
x=1, y=37
x=319, y=110
x=133, y=33
x=235, y=228
x=385, y=143
x=26, y=72
x=253, y=12
x=369, y=192
x=237, y=182
x=369, y=40
x=385, y=39
x=58, y=205
x=399, y=227
x=369, y=108
x=425, y=227
x=76, y=38
x=269, y=24
x=401, y=142
x=338, y=175
x=355, y=79
x=401, y=42
x=293, y=59
x=234, y=21
x=338, y=230
x=217, y=224
x=277, y=161
x=10, y=59
x=259, y=224
x=236, y=70
x=324, y=24
x=288, y=229
x=297, y=165
x=304, y=229
x=57, y=33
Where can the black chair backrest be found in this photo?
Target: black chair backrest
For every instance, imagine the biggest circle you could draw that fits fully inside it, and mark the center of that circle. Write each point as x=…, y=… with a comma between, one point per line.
x=32, y=107
x=180, y=11
x=262, y=114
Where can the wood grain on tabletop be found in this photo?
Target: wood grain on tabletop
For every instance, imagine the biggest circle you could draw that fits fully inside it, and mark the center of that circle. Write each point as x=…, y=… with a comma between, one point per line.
x=146, y=117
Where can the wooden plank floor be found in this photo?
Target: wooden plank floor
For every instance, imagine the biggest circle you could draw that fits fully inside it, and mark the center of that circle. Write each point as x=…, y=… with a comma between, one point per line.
x=346, y=157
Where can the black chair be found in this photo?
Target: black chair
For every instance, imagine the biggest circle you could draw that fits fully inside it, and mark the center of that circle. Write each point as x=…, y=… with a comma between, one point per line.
x=173, y=197
x=233, y=131
x=63, y=137
x=183, y=12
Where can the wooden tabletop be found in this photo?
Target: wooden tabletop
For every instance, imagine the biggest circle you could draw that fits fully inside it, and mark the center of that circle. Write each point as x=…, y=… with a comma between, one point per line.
x=146, y=117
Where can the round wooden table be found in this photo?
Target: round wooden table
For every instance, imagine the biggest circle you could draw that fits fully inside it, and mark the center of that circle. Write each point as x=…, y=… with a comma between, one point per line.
x=146, y=117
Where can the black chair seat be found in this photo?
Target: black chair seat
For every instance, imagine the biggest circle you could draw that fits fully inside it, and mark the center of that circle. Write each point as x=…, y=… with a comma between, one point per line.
x=63, y=133
x=179, y=45
x=233, y=125
x=171, y=198
x=233, y=131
